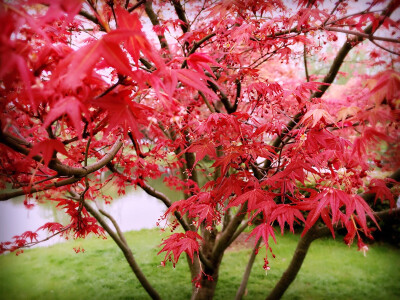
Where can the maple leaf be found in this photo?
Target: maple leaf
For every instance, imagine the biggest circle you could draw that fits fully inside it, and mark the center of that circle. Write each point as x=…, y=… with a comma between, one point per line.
x=330, y=197
x=137, y=41
x=201, y=207
x=79, y=64
x=381, y=191
x=200, y=61
x=58, y=8
x=228, y=160
x=252, y=197
x=286, y=213
x=385, y=85
x=335, y=199
x=177, y=243
x=123, y=112
x=295, y=170
x=346, y=112
x=315, y=116
x=46, y=149
x=70, y=106
x=228, y=186
x=29, y=235
x=52, y=227
x=308, y=14
x=193, y=79
x=10, y=62
x=202, y=148
x=263, y=230
x=71, y=71
x=369, y=135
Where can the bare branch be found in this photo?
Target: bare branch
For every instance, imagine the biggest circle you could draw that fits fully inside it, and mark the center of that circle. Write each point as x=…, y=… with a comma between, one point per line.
x=116, y=226
x=154, y=20
x=32, y=190
x=131, y=9
x=305, y=63
x=126, y=250
x=384, y=48
x=246, y=274
x=363, y=35
x=181, y=15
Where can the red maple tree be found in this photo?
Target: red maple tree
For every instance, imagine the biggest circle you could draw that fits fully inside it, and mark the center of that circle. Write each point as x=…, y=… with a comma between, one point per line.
x=218, y=98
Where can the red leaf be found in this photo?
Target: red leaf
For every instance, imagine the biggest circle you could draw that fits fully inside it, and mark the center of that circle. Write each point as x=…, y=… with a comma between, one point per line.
x=79, y=64
x=265, y=231
x=29, y=235
x=46, y=149
x=327, y=220
x=58, y=8
x=253, y=197
x=200, y=61
x=381, y=191
x=123, y=112
x=203, y=148
x=315, y=116
x=178, y=243
x=193, y=79
x=362, y=210
x=115, y=57
x=71, y=71
x=137, y=41
x=9, y=63
x=286, y=213
x=52, y=227
x=385, y=85
x=70, y=106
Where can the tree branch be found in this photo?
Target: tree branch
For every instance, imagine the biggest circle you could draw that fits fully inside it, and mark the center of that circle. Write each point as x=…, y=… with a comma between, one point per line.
x=20, y=192
x=223, y=242
x=363, y=35
x=90, y=17
x=222, y=96
x=156, y=194
x=154, y=20
x=246, y=274
x=238, y=93
x=181, y=15
x=116, y=226
x=131, y=9
x=196, y=45
x=305, y=63
x=384, y=48
x=127, y=253
x=15, y=144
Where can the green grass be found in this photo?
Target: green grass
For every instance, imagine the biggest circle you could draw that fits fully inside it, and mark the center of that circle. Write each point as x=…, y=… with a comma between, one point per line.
x=331, y=271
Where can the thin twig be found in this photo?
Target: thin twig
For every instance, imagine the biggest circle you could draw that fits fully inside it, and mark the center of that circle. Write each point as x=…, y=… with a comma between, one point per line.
x=384, y=48
x=46, y=239
x=116, y=226
x=131, y=9
x=305, y=63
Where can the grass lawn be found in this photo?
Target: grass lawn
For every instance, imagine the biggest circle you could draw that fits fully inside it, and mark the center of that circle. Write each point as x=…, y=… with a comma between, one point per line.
x=331, y=271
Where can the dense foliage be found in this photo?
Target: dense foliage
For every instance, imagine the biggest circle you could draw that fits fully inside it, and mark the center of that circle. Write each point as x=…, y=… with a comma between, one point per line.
x=236, y=103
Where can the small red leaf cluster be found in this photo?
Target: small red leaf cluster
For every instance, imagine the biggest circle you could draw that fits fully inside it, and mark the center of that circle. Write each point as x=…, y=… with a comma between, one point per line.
x=178, y=243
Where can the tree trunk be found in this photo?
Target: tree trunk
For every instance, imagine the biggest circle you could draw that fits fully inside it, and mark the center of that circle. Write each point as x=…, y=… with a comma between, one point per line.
x=207, y=287
x=297, y=260
x=194, y=268
x=246, y=275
